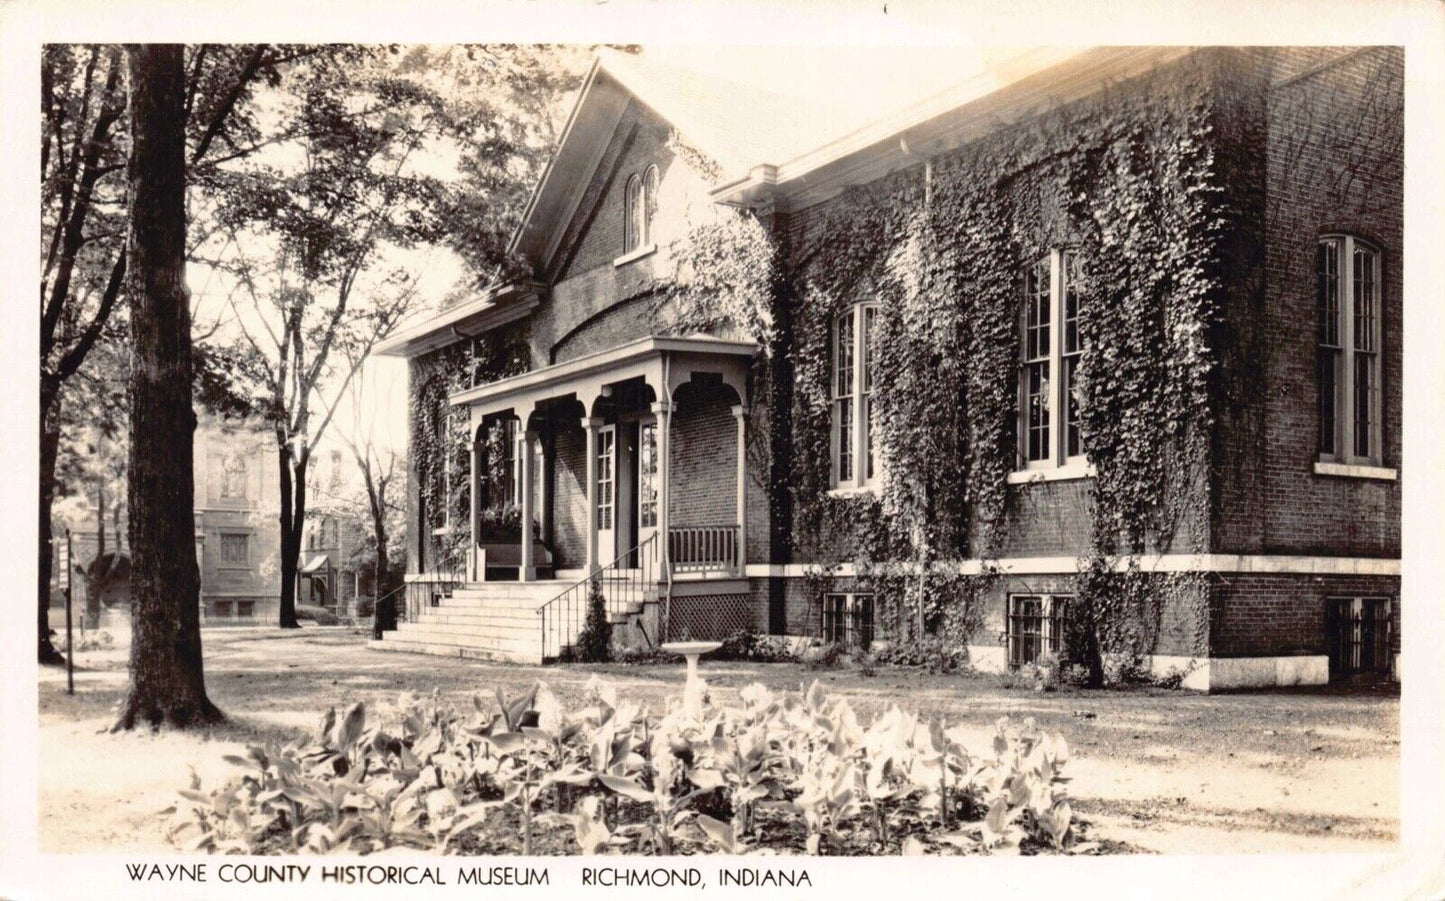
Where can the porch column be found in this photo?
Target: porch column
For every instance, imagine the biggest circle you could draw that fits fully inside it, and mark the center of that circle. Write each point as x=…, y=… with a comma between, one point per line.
x=528, y=570
x=740, y=413
x=591, y=424
x=474, y=494
x=663, y=411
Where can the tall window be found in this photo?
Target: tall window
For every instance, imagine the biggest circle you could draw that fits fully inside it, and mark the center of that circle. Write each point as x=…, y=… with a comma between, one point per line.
x=605, y=480
x=1035, y=626
x=647, y=475
x=510, y=467
x=853, y=459
x=640, y=203
x=444, y=447
x=1348, y=302
x=1049, y=353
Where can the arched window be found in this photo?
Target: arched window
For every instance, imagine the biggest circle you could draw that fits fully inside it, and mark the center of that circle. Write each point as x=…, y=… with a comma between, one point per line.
x=233, y=479
x=635, y=221
x=649, y=204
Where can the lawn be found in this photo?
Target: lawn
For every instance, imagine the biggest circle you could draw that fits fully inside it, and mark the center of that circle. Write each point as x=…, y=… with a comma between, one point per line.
x=1161, y=771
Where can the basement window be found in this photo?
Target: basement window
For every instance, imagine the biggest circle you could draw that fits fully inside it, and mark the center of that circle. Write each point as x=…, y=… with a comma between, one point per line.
x=848, y=620
x=1035, y=626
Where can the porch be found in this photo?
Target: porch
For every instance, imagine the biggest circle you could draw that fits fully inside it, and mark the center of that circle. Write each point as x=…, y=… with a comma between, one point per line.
x=627, y=466
x=587, y=452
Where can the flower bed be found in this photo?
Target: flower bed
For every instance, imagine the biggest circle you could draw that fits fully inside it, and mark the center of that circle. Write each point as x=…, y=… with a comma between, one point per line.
x=792, y=772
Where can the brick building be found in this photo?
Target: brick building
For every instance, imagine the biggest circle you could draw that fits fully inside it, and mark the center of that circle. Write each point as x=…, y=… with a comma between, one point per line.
x=720, y=478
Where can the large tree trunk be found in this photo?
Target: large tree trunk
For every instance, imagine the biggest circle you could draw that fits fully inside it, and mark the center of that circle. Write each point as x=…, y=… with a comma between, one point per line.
x=293, y=521
x=49, y=450
x=167, y=682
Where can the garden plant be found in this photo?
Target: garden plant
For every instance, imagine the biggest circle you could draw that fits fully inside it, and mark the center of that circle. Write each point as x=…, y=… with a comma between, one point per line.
x=776, y=772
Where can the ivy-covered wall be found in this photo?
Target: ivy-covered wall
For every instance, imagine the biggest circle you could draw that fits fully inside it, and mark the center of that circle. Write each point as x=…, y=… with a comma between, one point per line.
x=437, y=493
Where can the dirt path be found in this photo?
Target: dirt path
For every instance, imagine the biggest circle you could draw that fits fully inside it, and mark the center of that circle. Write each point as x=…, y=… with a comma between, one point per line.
x=1169, y=772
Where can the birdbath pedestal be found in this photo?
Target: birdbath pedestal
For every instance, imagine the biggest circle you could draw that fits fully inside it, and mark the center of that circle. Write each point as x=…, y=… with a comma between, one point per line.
x=692, y=692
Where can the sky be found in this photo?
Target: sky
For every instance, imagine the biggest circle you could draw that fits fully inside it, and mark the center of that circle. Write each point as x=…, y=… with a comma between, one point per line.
x=863, y=83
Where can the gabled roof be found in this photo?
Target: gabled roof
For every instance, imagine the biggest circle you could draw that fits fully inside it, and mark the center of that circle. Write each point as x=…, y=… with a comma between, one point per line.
x=736, y=125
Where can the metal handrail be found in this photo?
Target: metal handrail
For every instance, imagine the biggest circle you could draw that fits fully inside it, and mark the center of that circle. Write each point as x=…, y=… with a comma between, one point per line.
x=450, y=572
x=624, y=586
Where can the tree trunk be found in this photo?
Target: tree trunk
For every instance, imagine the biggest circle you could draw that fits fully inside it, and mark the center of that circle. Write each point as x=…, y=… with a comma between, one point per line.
x=383, y=617
x=49, y=450
x=167, y=680
x=293, y=521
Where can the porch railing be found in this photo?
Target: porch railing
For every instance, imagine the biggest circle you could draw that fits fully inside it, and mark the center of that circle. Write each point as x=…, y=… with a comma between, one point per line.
x=703, y=548
x=627, y=582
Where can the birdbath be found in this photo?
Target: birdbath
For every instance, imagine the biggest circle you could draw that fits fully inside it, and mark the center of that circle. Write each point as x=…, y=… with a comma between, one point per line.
x=693, y=691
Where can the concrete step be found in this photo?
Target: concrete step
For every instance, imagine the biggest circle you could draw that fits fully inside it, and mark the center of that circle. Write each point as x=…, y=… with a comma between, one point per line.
x=445, y=650
x=527, y=632
x=470, y=640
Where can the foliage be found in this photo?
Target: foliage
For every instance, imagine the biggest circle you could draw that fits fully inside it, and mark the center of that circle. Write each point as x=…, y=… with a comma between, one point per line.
x=933, y=653
x=786, y=772
x=1132, y=181
x=594, y=644
x=745, y=644
x=319, y=615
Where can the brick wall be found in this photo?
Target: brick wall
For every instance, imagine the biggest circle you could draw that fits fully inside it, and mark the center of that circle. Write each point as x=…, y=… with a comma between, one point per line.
x=704, y=456
x=1283, y=615
x=569, y=498
x=1332, y=165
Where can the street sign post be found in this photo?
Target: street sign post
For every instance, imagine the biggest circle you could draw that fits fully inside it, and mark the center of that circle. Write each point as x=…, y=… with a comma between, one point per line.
x=69, y=637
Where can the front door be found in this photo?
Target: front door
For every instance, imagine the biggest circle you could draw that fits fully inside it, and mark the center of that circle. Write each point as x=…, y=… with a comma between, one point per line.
x=606, y=494
x=647, y=496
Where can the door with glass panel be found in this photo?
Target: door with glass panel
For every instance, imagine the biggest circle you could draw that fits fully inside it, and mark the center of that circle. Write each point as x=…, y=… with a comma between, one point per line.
x=606, y=494
x=647, y=488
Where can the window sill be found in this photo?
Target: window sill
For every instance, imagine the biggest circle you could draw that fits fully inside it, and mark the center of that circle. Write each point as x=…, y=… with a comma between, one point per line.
x=1067, y=472
x=444, y=530
x=1357, y=471
x=634, y=255
x=855, y=491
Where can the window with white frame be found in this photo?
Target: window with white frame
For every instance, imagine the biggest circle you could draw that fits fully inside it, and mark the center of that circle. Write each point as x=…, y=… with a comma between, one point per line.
x=854, y=465
x=1049, y=352
x=1035, y=626
x=1347, y=274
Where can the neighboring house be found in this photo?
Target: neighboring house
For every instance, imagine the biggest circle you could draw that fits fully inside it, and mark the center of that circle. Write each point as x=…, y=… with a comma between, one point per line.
x=237, y=524
x=329, y=576
x=893, y=437
x=237, y=529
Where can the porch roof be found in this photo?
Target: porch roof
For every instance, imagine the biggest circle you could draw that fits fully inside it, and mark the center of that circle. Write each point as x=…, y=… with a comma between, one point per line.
x=648, y=357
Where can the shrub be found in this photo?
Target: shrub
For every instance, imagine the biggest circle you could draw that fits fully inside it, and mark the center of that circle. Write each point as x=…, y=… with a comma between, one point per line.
x=931, y=652
x=745, y=644
x=319, y=615
x=774, y=772
x=594, y=645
